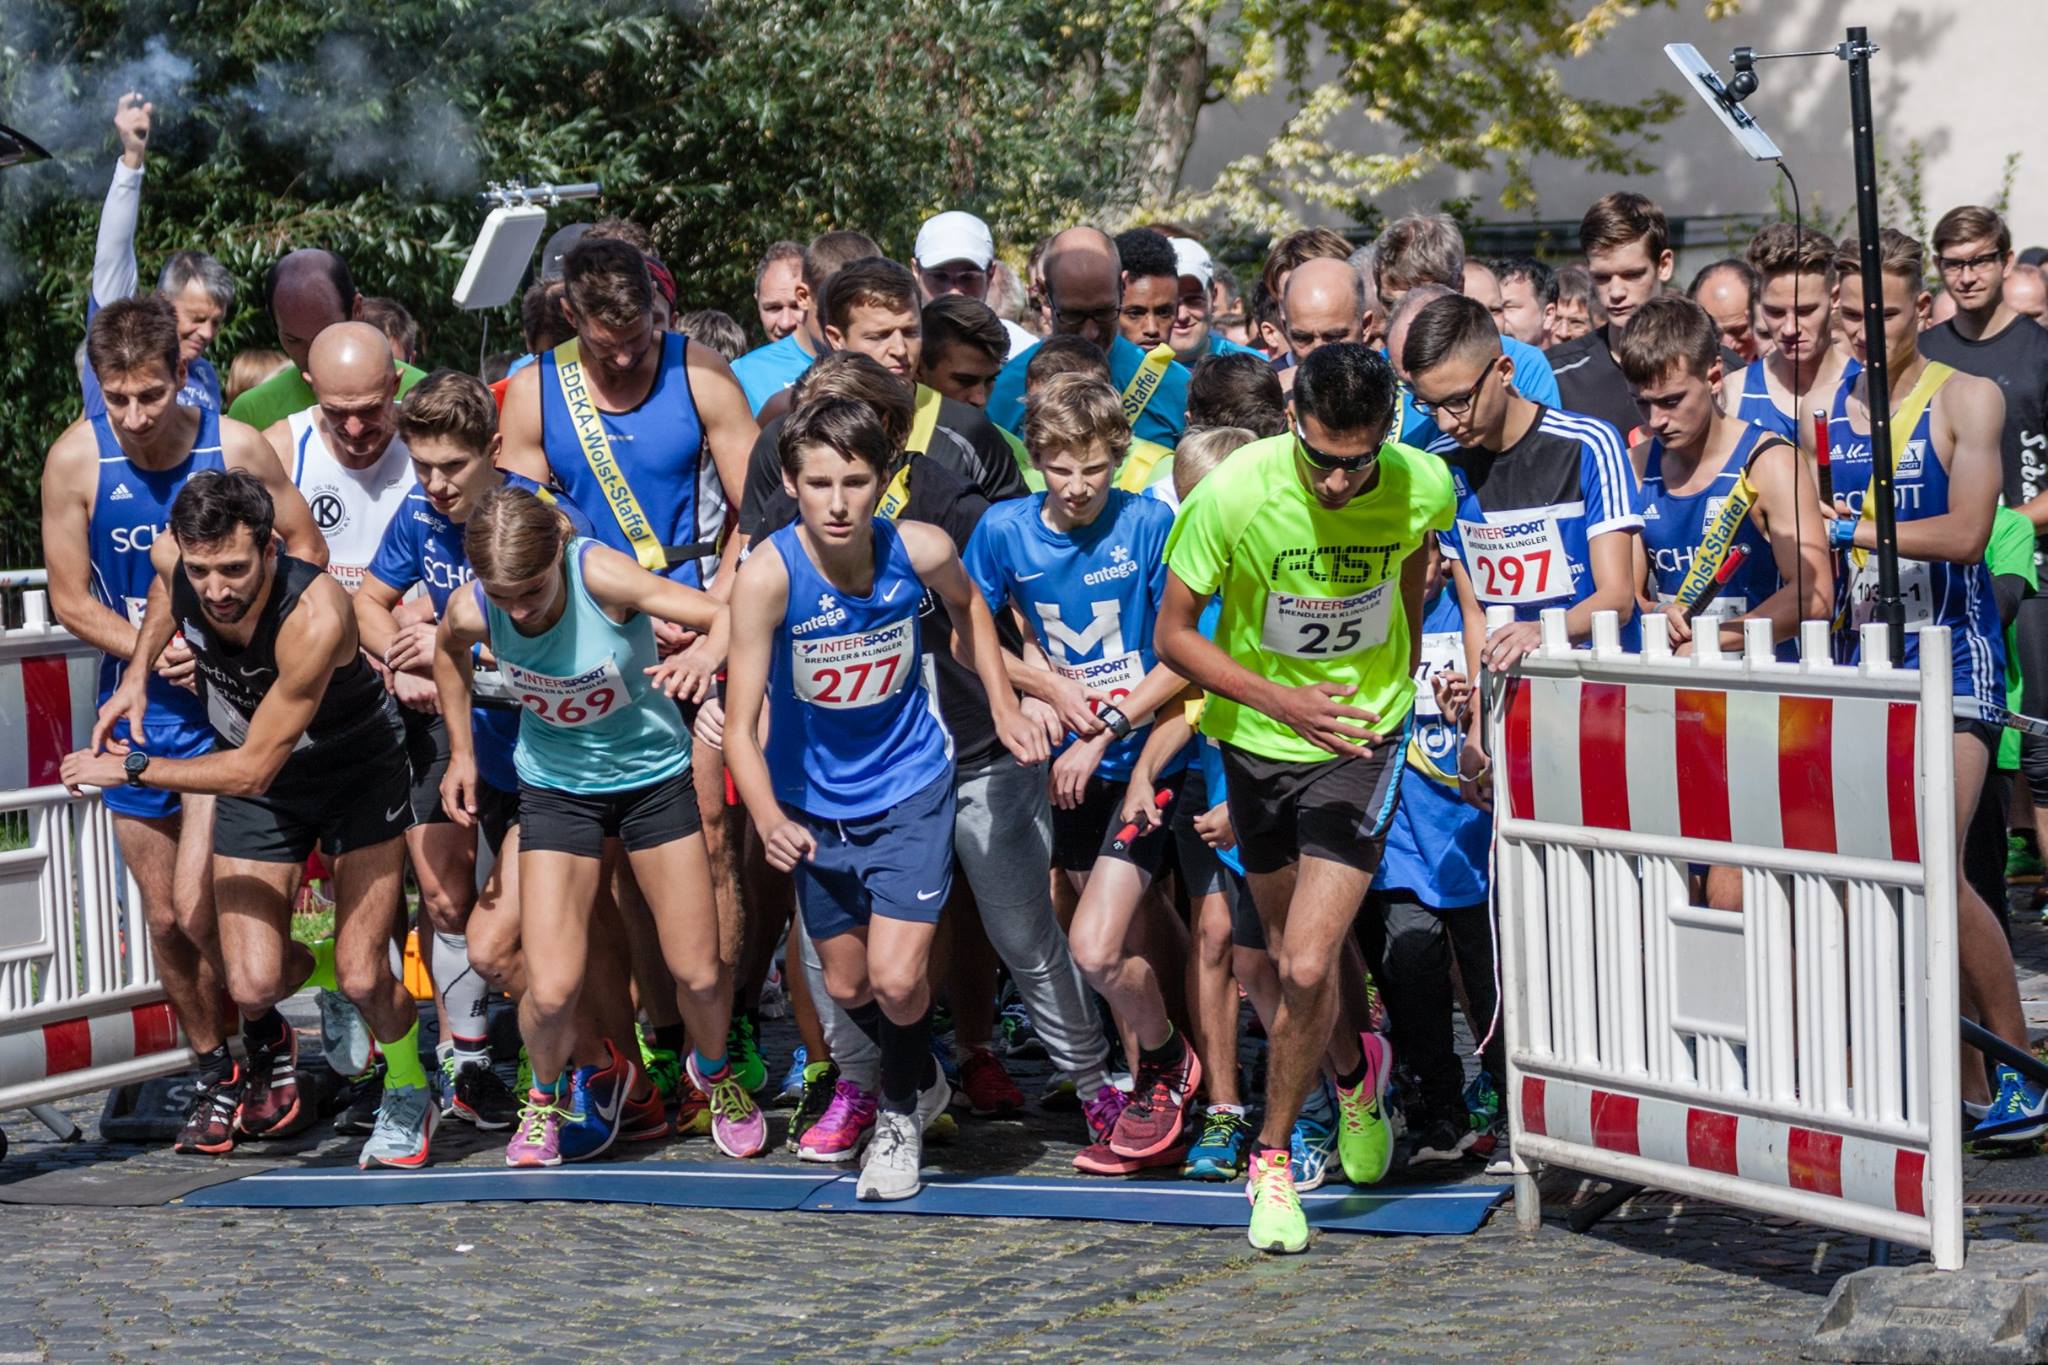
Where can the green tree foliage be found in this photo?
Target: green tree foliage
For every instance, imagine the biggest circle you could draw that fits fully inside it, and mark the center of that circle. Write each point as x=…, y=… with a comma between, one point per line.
x=367, y=128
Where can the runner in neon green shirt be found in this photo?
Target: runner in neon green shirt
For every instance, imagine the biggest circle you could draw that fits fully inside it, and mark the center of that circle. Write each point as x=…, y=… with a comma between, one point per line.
x=1310, y=539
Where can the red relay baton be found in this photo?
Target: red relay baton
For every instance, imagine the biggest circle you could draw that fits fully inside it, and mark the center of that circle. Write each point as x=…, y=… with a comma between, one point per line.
x=1729, y=568
x=1128, y=835
x=1823, y=472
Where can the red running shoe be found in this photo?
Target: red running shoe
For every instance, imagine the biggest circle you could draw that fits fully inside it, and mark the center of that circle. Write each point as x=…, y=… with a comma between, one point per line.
x=1152, y=1121
x=271, y=1106
x=1099, y=1159
x=990, y=1091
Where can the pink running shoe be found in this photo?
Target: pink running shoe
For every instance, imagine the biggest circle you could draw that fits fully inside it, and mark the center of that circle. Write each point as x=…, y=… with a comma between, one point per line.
x=1102, y=1112
x=537, y=1136
x=737, y=1124
x=842, y=1129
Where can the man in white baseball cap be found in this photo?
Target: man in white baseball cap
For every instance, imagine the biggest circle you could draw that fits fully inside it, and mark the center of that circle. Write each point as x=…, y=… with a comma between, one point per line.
x=953, y=254
x=1192, y=338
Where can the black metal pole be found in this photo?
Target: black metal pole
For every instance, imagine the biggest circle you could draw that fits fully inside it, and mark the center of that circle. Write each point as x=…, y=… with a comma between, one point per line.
x=1877, y=382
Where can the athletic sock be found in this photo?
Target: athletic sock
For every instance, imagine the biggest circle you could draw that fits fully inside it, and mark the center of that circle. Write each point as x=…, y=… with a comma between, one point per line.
x=906, y=1062
x=463, y=990
x=1167, y=1053
x=402, y=1060
x=216, y=1066
x=267, y=1030
x=669, y=1038
x=1352, y=1079
x=323, y=965
x=712, y=1071
x=1236, y=1109
x=868, y=1019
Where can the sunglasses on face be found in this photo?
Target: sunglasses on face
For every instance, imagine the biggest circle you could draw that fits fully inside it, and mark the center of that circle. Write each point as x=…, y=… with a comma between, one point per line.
x=1350, y=464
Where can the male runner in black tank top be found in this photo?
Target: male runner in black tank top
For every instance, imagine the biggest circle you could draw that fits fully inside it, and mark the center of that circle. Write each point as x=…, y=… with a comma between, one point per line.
x=312, y=755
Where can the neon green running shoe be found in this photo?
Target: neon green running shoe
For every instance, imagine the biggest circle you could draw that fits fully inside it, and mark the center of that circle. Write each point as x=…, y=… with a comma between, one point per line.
x=524, y=1081
x=1278, y=1224
x=663, y=1066
x=743, y=1050
x=1365, y=1140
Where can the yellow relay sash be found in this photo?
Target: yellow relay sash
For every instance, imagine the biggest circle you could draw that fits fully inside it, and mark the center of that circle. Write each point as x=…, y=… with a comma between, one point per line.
x=1903, y=421
x=597, y=451
x=923, y=422
x=1135, y=475
x=1145, y=382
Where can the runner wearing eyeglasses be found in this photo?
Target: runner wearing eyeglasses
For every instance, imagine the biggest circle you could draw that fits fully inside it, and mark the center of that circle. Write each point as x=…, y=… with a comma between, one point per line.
x=1310, y=538
x=1547, y=500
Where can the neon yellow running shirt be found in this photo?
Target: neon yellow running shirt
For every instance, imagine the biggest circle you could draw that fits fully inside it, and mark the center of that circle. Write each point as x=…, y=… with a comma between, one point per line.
x=1309, y=594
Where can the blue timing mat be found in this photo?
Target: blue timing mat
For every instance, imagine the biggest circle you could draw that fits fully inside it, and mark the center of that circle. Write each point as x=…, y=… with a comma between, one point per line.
x=673, y=1183
x=1454, y=1210
x=1403, y=1209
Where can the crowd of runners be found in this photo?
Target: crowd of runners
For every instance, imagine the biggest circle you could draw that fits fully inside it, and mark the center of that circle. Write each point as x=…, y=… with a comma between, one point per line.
x=1075, y=656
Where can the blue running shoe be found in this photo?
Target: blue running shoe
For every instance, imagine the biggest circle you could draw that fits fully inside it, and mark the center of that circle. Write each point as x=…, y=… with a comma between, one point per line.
x=1314, y=1139
x=1219, y=1153
x=1482, y=1101
x=597, y=1097
x=2019, y=1114
x=791, y=1092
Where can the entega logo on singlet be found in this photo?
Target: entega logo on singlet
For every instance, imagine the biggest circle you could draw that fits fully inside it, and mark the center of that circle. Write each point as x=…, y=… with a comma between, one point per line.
x=1121, y=566
x=830, y=613
x=1351, y=564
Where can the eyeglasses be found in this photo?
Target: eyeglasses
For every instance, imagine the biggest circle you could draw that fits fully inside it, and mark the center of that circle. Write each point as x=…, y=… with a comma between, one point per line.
x=962, y=279
x=1350, y=464
x=1457, y=404
x=1074, y=319
x=1975, y=265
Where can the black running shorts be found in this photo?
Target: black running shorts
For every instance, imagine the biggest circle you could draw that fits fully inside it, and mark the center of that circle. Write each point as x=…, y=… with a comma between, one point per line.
x=1337, y=809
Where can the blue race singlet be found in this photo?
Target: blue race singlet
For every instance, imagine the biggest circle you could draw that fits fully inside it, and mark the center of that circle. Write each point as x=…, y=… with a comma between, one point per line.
x=1674, y=524
x=1437, y=842
x=852, y=729
x=595, y=722
x=1755, y=406
x=130, y=509
x=659, y=449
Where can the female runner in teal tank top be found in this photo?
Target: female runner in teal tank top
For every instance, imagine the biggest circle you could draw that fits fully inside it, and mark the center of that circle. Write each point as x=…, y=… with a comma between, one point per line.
x=603, y=754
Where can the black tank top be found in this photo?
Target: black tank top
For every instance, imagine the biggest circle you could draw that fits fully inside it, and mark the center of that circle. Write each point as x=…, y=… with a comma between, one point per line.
x=233, y=681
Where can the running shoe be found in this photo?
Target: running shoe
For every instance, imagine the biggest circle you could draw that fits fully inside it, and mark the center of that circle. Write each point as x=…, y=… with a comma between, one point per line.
x=597, y=1095
x=1102, y=1112
x=2019, y=1113
x=663, y=1066
x=1314, y=1139
x=1278, y=1224
x=1441, y=1140
x=892, y=1167
x=405, y=1129
x=1098, y=1159
x=481, y=1099
x=737, y=1124
x=645, y=1119
x=2022, y=857
x=1219, y=1153
x=210, y=1119
x=743, y=1051
x=986, y=1083
x=1365, y=1141
x=1151, y=1122
x=1020, y=1040
x=441, y=1083
x=537, y=1138
x=819, y=1080
x=271, y=1106
x=1482, y=1102
x=932, y=1103
x=693, y=1111
x=1499, y=1148
x=942, y=1057
x=362, y=1097
x=1060, y=1094
x=344, y=1037
x=842, y=1128
x=791, y=1091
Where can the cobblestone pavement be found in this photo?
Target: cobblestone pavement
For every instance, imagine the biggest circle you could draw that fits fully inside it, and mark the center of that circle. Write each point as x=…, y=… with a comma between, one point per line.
x=1664, y=1280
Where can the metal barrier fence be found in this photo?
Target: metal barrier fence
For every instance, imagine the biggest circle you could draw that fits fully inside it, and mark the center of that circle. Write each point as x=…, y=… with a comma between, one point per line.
x=1799, y=1056
x=81, y=1008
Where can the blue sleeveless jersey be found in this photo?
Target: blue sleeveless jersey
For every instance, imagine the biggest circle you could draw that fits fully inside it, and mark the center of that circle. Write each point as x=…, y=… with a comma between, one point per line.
x=659, y=449
x=1091, y=595
x=596, y=723
x=130, y=509
x=1437, y=842
x=1958, y=596
x=852, y=730
x=1674, y=525
x=1755, y=407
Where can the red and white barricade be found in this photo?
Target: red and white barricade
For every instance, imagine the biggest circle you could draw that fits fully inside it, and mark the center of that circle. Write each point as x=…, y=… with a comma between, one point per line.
x=1798, y=1057
x=81, y=1008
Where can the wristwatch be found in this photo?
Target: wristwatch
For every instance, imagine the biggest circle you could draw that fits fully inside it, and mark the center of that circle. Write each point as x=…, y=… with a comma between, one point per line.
x=134, y=765
x=1115, y=721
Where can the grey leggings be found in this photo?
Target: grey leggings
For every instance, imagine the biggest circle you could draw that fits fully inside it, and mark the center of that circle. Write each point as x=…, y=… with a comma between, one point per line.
x=1002, y=838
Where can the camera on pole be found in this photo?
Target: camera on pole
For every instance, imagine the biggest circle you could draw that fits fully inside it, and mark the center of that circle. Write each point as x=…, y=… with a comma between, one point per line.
x=518, y=215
